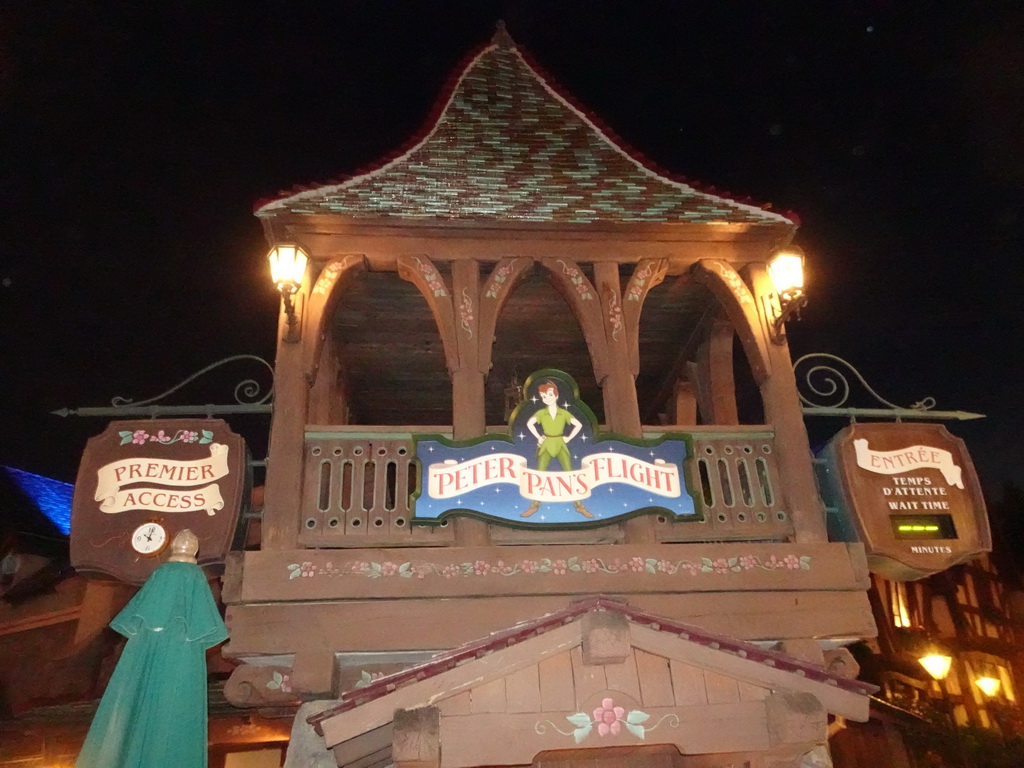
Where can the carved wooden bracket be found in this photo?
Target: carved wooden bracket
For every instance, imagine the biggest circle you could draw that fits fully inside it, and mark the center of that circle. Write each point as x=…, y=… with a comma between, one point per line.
x=582, y=298
x=646, y=275
x=421, y=272
x=493, y=296
x=323, y=299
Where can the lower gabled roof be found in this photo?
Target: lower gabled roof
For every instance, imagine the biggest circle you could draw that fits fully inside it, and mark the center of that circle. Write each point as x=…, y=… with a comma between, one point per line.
x=475, y=664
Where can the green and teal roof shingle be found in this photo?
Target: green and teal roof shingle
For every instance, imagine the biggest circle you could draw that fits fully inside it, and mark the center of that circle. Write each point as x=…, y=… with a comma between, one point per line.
x=507, y=146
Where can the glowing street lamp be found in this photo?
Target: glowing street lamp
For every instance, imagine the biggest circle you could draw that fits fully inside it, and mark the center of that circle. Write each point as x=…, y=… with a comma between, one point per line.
x=786, y=271
x=936, y=664
x=287, y=270
x=989, y=685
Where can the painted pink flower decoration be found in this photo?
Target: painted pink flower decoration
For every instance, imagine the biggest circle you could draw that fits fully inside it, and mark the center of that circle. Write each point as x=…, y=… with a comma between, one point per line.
x=481, y=568
x=450, y=571
x=559, y=566
x=607, y=717
x=747, y=562
x=160, y=437
x=590, y=566
x=792, y=561
x=139, y=436
x=636, y=564
x=188, y=436
x=388, y=568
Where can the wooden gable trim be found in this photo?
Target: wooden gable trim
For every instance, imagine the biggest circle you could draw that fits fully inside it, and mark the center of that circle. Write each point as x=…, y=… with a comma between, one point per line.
x=339, y=727
x=506, y=653
x=835, y=699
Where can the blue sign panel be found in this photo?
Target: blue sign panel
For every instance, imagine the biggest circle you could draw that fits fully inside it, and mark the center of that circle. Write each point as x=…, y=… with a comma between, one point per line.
x=552, y=470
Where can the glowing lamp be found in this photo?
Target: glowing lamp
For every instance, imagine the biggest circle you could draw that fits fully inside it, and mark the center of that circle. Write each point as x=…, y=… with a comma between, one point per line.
x=287, y=267
x=287, y=270
x=786, y=272
x=989, y=685
x=936, y=664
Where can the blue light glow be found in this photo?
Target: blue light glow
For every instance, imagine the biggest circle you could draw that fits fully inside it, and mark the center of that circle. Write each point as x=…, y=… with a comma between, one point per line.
x=52, y=497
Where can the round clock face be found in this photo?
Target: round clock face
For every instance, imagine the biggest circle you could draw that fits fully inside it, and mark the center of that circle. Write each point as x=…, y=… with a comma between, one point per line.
x=149, y=538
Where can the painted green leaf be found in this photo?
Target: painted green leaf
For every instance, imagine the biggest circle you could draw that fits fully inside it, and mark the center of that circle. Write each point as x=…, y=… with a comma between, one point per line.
x=733, y=561
x=581, y=733
x=207, y=436
x=636, y=730
x=405, y=570
x=573, y=560
x=805, y=562
x=706, y=562
x=580, y=719
x=649, y=567
x=295, y=571
x=635, y=717
x=364, y=679
x=575, y=567
x=126, y=437
x=275, y=683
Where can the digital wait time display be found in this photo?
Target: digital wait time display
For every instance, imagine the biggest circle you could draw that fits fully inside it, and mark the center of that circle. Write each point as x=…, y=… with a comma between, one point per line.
x=923, y=526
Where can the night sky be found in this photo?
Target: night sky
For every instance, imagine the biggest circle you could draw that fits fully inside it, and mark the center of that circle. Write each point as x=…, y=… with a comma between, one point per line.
x=135, y=138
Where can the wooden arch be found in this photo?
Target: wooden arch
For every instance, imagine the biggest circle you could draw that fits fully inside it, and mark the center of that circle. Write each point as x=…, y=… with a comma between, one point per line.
x=323, y=299
x=740, y=306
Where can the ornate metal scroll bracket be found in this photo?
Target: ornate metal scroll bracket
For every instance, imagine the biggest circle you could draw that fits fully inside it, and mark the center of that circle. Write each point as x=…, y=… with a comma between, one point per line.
x=248, y=393
x=826, y=390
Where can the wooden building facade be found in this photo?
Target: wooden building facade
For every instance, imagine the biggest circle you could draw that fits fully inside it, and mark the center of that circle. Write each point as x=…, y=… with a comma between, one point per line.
x=513, y=235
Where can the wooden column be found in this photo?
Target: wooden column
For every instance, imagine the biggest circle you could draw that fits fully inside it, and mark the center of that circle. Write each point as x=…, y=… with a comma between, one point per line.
x=782, y=411
x=283, y=505
x=295, y=368
x=468, y=413
x=621, y=410
x=684, y=404
x=713, y=379
x=327, y=395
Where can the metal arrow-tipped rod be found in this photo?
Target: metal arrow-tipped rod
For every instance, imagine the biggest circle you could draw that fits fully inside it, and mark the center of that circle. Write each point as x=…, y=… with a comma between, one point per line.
x=889, y=413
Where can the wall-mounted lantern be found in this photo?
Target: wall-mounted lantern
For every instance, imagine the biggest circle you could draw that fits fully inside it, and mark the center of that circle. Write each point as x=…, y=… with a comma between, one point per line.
x=287, y=270
x=989, y=685
x=936, y=664
x=786, y=271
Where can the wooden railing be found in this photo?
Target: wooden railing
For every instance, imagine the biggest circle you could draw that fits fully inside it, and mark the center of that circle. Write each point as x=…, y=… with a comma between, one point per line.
x=358, y=482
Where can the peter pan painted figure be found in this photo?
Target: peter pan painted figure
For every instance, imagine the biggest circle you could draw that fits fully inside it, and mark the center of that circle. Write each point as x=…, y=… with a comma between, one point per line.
x=553, y=420
x=552, y=443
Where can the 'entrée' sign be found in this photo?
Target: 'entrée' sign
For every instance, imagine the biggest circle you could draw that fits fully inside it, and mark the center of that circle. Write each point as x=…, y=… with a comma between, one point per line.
x=553, y=470
x=140, y=482
x=911, y=494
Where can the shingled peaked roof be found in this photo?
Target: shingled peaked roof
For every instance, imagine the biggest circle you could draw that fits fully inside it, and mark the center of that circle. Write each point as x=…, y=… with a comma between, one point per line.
x=506, y=146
